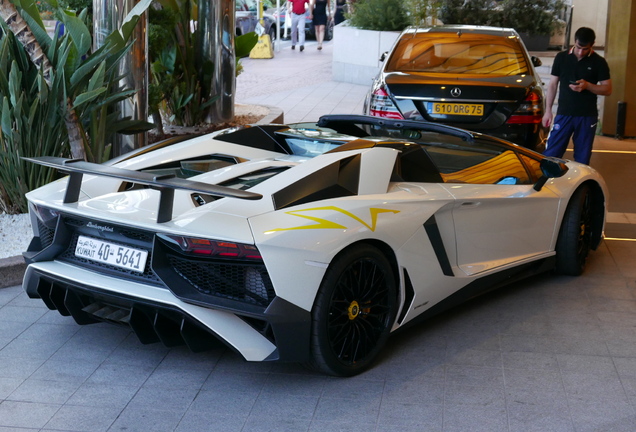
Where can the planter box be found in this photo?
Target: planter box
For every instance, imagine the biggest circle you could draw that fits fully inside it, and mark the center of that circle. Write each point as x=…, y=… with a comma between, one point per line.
x=356, y=53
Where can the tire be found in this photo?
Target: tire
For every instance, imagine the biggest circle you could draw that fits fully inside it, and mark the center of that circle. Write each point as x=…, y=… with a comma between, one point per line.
x=353, y=312
x=272, y=34
x=575, y=235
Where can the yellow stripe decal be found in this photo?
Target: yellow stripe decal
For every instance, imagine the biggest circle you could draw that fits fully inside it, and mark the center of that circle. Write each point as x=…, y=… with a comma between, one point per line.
x=327, y=224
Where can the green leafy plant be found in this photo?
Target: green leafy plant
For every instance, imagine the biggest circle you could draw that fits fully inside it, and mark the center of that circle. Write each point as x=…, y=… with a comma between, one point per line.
x=67, y=95
x=30, y=125
x=538, y=17
x=422, y=12
x=176, y=72
x=46, y=12
x=91, y=79
x=382, y=15
x=470, y=12
x=180, y=78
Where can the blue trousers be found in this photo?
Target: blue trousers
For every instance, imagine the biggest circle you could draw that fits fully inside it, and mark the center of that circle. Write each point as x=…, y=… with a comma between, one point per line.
x=580, y=129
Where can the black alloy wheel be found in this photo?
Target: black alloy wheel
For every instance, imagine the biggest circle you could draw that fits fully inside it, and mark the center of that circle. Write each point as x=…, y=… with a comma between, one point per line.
x=353, y=312
x=575, y=235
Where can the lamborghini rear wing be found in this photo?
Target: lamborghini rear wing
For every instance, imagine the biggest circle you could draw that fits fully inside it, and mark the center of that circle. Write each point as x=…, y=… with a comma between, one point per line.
x=165, y=184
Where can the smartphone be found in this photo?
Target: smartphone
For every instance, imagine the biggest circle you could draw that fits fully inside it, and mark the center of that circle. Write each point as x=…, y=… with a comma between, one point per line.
x=574, y=82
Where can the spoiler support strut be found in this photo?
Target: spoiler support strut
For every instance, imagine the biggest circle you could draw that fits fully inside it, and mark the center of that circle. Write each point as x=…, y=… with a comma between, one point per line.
x=166, y=185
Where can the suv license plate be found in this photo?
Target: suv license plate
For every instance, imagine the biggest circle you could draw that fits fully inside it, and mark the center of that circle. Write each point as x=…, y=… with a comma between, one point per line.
x=110, y=253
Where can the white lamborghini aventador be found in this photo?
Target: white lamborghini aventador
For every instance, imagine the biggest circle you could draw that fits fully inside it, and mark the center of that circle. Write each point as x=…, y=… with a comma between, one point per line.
x=306, y=242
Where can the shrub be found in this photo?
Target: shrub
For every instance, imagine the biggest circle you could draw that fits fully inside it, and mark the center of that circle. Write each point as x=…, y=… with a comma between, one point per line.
x=470, y=12
x=382, y=15
x=538, y=17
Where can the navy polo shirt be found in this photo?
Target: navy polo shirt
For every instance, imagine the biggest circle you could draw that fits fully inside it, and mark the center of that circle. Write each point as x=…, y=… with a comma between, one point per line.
x=592, y=68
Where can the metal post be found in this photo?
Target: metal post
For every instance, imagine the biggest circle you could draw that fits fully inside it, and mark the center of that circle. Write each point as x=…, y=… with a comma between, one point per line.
x=568, y=28
x=621, y=117
x=107, y=17
x=277, y=46
x=216, y=41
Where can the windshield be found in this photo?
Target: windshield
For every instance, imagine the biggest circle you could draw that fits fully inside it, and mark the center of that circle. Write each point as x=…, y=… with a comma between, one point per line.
x=466, y=54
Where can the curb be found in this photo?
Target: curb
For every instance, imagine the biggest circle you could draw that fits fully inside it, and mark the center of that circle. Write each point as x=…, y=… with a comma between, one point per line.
x=12, y=268
x=11, y=271
x=275, y=115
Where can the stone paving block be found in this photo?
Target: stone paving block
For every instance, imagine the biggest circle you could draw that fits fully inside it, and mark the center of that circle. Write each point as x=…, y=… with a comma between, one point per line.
x=83, y=418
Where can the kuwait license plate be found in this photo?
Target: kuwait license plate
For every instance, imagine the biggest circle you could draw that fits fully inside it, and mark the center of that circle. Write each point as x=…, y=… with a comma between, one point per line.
x=110, y=253
x=447, y=108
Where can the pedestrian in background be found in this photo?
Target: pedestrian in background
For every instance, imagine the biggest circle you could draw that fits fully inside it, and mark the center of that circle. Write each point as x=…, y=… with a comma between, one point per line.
x=321, y=9
x=338, y=16
x=298, y=9
x=581, y=75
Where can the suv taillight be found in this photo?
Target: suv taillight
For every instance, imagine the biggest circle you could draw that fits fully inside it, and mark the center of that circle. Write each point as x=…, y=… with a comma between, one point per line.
x=530, y=111
x=381, y=105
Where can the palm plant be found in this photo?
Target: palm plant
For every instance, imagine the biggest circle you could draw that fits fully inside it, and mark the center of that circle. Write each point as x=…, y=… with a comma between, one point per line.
x=176, y=72
x=181, y=78
x=57, y=97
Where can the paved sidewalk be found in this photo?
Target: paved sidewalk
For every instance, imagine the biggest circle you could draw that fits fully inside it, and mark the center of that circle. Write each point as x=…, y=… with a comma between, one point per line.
x=545, y=354
x=299, y=83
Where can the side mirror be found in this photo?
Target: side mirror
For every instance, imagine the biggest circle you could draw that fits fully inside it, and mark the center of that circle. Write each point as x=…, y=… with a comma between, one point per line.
x=383, y=56
x=536, y=61
x=551, y=167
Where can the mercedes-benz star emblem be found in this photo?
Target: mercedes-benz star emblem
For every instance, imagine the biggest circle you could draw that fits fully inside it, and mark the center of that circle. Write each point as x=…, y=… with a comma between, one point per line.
x=456, y=92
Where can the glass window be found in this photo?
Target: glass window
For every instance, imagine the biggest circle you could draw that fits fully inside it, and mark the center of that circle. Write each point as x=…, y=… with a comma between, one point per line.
x=466, y=54
x=301, y=147
x=247, y=181
x=533, y=165
x=192, y=167
x=479, y=164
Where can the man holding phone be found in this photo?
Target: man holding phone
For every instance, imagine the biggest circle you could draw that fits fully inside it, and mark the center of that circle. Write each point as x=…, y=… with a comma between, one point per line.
x=581, y=75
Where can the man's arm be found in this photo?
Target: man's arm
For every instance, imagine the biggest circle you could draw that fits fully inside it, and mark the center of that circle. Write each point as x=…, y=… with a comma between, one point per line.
x=603, y=88
x=549, y=100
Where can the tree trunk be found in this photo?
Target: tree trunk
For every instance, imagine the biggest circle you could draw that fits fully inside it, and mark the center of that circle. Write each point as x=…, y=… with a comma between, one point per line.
x=23, y=33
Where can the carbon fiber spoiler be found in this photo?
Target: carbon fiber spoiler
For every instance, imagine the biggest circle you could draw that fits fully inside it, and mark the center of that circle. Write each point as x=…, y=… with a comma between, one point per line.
x=166, y=184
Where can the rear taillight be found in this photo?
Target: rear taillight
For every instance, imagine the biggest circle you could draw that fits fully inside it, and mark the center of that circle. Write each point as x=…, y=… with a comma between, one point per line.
x=381, y=105
x=218, y=249
x=530, y=111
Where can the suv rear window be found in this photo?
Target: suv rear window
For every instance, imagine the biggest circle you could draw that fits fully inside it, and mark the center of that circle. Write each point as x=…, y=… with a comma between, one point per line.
x=465, y=54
